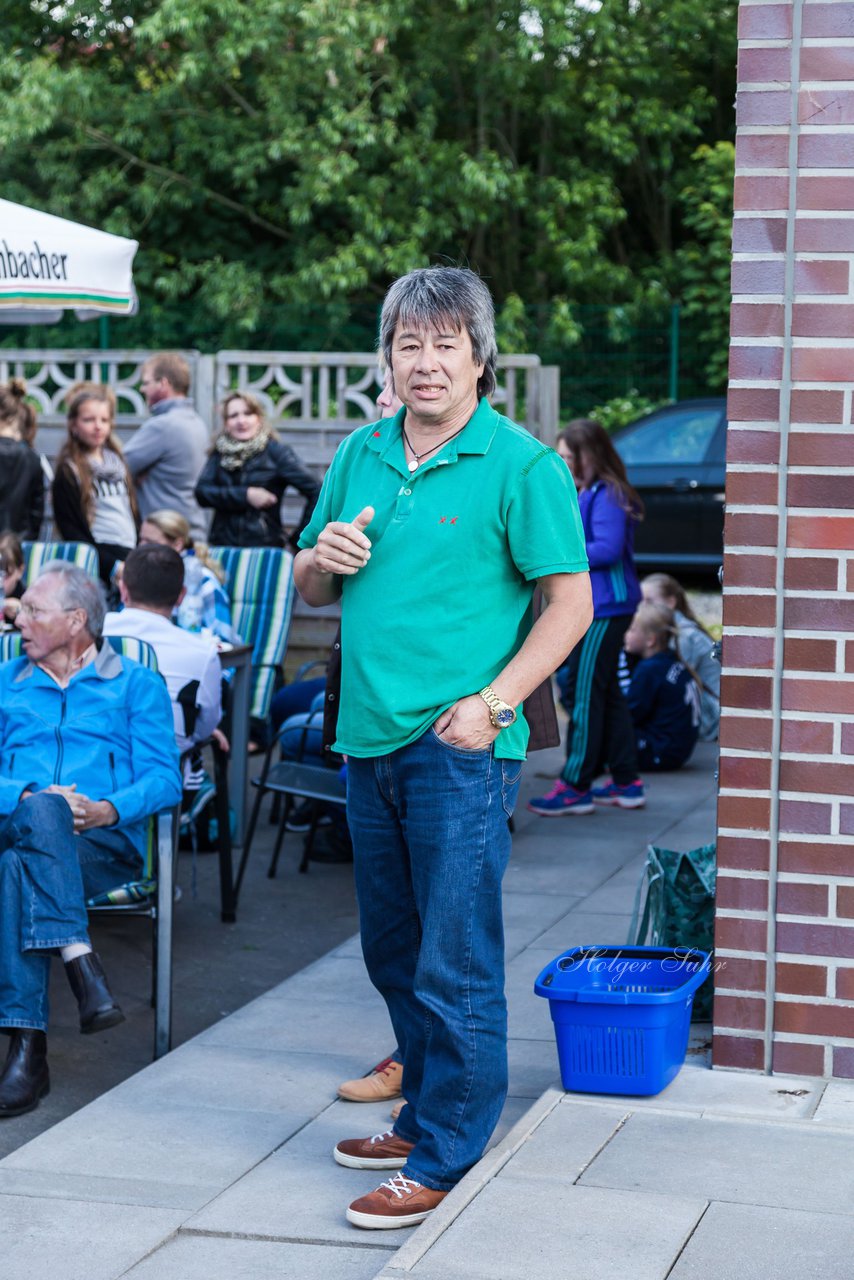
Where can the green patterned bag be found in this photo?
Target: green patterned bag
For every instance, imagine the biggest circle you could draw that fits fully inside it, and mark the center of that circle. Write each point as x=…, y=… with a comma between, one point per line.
x=679, y=908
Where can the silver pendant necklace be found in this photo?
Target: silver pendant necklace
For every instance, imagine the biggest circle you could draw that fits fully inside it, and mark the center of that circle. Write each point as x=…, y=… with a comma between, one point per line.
x=415, y=464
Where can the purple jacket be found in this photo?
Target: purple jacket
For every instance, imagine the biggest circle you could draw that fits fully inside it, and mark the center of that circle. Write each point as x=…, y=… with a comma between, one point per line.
x=609, y=533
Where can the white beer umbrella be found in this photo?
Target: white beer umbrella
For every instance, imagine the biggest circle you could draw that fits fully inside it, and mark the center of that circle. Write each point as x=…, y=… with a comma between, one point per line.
x=49, y=265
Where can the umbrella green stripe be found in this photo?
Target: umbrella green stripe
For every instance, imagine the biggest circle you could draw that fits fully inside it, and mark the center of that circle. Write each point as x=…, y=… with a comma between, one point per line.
x=42, y=298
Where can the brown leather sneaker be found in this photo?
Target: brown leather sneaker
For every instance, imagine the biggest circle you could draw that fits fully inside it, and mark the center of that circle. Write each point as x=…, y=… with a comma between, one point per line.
x=399, y=1202
x=382, y=1084
x=383, y=1151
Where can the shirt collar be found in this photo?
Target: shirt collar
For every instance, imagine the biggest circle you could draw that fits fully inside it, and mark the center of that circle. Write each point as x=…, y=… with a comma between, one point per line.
x=106, y=664
x=163, y=406
x=385, y=437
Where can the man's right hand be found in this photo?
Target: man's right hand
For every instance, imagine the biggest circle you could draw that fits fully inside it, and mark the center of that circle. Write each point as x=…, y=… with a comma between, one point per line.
x=342, y=547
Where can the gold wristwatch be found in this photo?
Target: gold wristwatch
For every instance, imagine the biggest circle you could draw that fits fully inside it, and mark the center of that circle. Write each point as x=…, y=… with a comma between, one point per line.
x=501, y=713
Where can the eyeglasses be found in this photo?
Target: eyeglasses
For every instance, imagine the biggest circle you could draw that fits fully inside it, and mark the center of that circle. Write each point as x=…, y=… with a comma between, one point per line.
x=33, y=611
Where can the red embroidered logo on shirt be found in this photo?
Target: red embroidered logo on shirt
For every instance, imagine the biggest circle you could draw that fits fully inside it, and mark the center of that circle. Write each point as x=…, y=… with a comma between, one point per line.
x=448, y=519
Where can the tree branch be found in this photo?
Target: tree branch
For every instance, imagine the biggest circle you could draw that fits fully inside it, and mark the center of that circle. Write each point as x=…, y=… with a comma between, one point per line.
x=162, y=171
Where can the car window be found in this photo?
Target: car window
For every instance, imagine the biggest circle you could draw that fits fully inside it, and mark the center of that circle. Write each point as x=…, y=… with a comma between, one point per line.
x=678, y=436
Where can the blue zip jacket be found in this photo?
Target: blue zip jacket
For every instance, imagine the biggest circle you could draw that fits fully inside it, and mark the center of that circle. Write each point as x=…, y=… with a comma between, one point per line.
x=609, y=534
x=110, y=731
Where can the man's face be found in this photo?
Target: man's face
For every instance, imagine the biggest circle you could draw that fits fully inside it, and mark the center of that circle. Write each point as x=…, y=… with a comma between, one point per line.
x=154, y=389
x=435, y=374
x=45, y=624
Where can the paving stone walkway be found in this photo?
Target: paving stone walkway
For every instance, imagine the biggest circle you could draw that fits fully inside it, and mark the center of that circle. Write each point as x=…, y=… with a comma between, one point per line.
x=216, y=1161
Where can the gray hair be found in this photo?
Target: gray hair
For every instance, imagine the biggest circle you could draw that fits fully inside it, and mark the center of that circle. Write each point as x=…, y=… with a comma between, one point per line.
x=79, y=591
x=432, y=296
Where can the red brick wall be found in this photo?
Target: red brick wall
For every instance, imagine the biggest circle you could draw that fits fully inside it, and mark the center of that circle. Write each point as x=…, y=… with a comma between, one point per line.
x=786, y=808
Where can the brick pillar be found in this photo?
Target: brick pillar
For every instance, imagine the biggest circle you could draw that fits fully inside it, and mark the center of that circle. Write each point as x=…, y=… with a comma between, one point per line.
x=785, y=906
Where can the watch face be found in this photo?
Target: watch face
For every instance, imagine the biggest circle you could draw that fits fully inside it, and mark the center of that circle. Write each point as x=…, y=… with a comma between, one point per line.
x=505, y=717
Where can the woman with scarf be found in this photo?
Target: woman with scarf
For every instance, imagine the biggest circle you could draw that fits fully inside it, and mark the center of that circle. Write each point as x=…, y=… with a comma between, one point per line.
x=93, y=496
x=246, y=476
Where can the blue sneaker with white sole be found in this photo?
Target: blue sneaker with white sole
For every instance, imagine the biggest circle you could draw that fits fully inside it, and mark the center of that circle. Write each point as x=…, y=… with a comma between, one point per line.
x=629, y=796
x=562, y=799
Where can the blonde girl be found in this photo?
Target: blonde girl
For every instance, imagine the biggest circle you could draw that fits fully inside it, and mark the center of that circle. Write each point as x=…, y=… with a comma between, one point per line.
x=93, y=494
x=696, y=647
x=663, y=694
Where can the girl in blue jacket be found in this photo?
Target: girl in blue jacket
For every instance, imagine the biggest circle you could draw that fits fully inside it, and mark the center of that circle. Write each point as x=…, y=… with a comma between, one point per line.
x=600, y=727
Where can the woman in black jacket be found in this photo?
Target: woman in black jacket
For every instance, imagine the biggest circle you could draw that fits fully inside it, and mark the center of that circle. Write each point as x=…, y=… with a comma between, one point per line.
x=246, y=476
x=21, y=480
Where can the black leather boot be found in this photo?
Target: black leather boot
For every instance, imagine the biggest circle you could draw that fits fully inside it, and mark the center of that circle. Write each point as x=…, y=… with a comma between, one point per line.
x=98, y=1009
x=25, y=1076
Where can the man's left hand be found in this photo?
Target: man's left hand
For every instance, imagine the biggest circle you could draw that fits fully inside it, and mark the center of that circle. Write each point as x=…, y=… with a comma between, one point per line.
x=467, y=725
x=94, y=813
x=85, y=812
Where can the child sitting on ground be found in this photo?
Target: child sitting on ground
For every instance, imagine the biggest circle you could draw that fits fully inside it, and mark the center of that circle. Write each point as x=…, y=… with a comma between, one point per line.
x=663, y=694
x=696, y=648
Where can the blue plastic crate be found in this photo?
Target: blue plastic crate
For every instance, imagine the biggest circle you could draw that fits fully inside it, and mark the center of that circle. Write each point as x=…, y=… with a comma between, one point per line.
x=622, y=1014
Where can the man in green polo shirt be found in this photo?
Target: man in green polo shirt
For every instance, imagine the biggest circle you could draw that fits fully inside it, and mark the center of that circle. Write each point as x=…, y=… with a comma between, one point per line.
x=434, y=527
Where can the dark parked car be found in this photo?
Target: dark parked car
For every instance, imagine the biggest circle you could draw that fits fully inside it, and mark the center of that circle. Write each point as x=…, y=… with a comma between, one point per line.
x=675, y=458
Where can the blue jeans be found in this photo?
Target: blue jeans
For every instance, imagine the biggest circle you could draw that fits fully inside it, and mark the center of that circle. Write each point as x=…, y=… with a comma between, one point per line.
x=294, y=699
x=298, y=742
x=46, y=875
x=431, y=842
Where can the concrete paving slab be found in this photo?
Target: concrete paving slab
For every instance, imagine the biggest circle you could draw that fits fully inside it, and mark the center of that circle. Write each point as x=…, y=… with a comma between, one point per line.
x=727, y=1093
x=617, y=895
x=186, y=1155
x=238, y=1079
x=527, y=915
x=582, y=928
x=692, y=831
x=533, y=1068
x=746, y=1162
x=528, y=1015
x=327, y=982
x=561, y=1231
x=281, y=1023
x=583, y=867
x=352, y=947
x=514, y=1109
x=293, y=1196
x=76, y=1240
x=537, y=911
x=47, y=1184
x=744, y=1242
x=568, y=1141
x=837, y=1104
x=192, y=1257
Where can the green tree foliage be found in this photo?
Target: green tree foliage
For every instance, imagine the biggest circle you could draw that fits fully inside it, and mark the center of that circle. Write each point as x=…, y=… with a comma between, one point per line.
x=704, y=263
x=273, y=154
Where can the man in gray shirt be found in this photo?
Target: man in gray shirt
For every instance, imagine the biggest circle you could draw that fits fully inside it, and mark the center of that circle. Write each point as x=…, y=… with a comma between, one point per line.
x=167, y=453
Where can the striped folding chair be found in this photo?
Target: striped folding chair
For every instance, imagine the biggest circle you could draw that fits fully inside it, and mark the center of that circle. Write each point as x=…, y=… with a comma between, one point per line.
x=260, y=583
x=153, y=894
x=37, y=554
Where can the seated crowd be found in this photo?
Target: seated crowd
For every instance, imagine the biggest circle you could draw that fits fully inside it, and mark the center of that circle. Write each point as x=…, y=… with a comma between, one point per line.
x=90, y=741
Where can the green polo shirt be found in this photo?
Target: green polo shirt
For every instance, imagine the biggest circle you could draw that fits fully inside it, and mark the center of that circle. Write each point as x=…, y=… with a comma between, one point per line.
x=444, y=602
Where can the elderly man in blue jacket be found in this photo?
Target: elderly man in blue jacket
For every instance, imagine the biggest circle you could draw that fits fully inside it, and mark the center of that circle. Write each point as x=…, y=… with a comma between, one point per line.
x=87, y=754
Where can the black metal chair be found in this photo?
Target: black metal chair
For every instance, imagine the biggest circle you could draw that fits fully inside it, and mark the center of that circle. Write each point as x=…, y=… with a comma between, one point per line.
x=292, y=780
